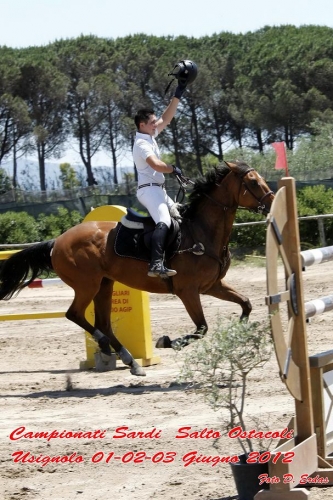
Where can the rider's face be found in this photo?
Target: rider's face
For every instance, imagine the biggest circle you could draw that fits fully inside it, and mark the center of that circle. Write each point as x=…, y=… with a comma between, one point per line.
x=149, y=127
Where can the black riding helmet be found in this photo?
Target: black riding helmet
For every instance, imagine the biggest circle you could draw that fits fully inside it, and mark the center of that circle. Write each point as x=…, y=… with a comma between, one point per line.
x=185, y=72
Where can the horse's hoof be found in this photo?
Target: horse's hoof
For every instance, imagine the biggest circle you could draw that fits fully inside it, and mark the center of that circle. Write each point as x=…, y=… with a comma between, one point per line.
x=163, y=342
x=137, y=370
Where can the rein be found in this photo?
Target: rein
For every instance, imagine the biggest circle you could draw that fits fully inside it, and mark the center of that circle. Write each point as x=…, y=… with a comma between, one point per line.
x=184, y=181
x=225, y=207
x=198, y=248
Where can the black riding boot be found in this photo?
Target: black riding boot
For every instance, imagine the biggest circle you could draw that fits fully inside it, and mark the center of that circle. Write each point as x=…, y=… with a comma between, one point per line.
x=158, y=240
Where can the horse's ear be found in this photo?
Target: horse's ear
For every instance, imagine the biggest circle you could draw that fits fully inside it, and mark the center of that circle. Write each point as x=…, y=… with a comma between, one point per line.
x=231, y=164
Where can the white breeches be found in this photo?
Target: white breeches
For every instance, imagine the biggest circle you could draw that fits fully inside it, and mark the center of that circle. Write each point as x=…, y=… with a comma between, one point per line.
x=157, y=202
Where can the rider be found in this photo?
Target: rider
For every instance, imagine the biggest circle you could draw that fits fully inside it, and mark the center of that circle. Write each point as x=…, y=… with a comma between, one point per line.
x=151, y=169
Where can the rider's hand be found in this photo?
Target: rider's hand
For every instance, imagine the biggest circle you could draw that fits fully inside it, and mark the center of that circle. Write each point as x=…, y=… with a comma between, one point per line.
x=180, y=90
x=176, y=170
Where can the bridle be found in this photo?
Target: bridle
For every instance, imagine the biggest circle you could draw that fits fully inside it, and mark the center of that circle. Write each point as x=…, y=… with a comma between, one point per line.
x=261, y=207
x=198, y=248
x=184, y=181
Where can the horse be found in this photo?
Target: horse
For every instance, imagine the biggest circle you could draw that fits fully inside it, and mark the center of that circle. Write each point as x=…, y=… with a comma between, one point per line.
x=84, y=258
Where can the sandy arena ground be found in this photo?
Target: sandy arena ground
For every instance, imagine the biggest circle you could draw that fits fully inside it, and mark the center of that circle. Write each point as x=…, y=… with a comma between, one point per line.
x=37, y=356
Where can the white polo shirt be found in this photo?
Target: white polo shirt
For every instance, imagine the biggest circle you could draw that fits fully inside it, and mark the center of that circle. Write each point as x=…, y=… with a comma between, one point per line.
x=145, y=146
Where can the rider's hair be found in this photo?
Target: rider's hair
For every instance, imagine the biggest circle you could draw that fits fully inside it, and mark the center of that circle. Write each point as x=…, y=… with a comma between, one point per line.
x=143, y=116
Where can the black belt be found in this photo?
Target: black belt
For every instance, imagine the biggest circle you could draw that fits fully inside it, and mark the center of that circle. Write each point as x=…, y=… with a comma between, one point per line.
x=151, y=184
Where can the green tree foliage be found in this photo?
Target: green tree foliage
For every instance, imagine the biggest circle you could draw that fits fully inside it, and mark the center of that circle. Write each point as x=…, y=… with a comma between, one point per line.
x=5, y=181
x=51, y=226
x=44, y=89
x=86, y=114
x=14, y=118
x=18, y=227
x=252, y=89
x=252, y=237
x=315, y=200
x=110, y=96
x=313, y=151
x=68, y=176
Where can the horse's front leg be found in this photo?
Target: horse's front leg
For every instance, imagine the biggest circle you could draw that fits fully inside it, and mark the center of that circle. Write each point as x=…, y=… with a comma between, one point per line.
x=191, y=300
x=223, y=291
x=102, y=303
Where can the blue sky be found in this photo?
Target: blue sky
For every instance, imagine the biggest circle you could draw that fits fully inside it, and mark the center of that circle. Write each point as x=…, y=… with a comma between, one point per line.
x=38, y=22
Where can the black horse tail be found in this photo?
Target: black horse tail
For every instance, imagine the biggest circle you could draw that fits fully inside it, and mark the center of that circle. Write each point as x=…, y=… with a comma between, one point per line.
x=32, y=262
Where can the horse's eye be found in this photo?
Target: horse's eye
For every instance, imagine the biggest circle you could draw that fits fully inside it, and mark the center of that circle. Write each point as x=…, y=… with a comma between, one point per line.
x=254, y=183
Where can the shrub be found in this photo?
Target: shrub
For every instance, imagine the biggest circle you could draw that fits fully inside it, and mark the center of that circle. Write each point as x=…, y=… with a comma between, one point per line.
x=5, y=181
x=18, y=227
x=218, y=367
x=51, y=226
x=315, y=200
x=253, y=236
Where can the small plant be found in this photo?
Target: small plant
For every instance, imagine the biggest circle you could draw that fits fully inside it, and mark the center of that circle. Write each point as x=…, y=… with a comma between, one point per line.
x=218, y=367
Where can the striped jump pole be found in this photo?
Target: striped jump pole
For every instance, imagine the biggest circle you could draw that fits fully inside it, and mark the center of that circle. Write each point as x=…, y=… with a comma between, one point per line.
x=316, y=256
x=318, y=306
x=40, y=283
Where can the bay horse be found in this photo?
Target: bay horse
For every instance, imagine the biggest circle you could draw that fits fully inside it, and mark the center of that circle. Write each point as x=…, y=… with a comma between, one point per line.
x=84, y=258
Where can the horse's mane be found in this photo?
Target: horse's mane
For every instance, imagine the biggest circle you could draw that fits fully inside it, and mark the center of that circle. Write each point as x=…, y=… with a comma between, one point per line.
x=204, y=185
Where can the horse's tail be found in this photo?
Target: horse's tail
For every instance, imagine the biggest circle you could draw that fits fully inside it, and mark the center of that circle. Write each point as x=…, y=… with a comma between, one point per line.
x=32, y=262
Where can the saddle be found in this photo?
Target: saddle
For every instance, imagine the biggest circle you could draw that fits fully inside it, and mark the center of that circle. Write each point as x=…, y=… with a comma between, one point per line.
x=134, y=232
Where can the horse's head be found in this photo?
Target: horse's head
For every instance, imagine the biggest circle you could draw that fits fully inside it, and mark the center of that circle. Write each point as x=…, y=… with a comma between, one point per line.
x=230, y=185
x=254, y=194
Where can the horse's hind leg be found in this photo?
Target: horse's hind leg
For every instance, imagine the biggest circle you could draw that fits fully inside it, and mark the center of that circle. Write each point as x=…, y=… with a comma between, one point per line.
x=101, y=294
x=102, y=303
x=76, y=313
x=223, y=291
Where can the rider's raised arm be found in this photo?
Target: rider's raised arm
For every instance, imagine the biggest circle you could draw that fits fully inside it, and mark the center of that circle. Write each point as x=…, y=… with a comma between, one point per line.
x=185, y=72
x=167, y=115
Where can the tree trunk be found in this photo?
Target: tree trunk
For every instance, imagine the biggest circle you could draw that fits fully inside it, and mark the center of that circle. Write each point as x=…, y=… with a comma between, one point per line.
x=259, y=140
x=112, y=148
x=41, y=163
x=14, y=166
x=218, y=138
x=86, y=157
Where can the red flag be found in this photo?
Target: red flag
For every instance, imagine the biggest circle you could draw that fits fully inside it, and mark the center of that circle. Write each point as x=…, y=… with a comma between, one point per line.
x=281, y=157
